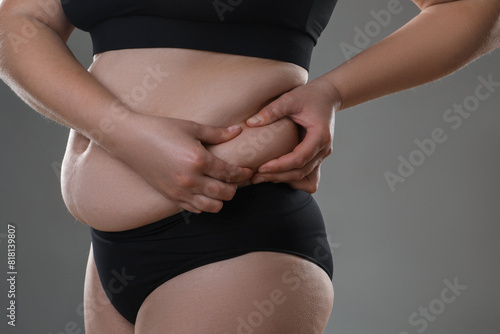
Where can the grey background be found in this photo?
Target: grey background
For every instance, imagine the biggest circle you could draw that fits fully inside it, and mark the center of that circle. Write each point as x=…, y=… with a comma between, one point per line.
x=393, y=250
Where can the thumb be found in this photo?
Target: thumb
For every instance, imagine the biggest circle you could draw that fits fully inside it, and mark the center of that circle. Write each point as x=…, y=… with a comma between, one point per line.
x=275, y=110
x=212, y=135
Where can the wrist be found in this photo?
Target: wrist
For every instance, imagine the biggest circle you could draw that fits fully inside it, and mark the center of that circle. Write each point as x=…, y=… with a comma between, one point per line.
x=331, y=90
x=114, y=126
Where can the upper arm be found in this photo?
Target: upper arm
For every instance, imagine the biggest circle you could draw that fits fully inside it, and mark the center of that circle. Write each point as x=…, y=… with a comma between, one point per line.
x=47, y=12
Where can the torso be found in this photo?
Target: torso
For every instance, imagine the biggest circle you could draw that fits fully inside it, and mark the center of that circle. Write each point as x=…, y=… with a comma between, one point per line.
x=206, y=87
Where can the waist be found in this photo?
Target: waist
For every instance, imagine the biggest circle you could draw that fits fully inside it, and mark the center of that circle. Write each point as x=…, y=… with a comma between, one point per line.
x=212, y=88
x=206, y=87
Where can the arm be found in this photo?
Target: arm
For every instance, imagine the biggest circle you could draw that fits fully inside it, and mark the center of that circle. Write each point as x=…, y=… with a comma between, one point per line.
x=444, y=37
x=36, y=63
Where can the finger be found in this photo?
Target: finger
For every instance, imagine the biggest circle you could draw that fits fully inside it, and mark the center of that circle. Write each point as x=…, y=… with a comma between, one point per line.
x=275, y=110
x=283, y=177
x=214, y=135
x=293, y=175
x=308, y=184
x=207, y=204
x=216, y=189
x=224, y=171
x=301, y=155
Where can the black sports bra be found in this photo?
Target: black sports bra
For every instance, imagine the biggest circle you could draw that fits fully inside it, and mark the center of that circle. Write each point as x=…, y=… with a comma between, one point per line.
x=284, y=30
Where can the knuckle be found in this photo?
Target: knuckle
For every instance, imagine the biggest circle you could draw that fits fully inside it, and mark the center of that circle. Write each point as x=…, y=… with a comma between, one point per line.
x=273, y=109
x=184, y=181
x=175, y=194
x=313, y=188
x=326, y=138
x=310, y=187
x=328, y=152
x=299, y=161
x=287, y=98
x=269, y=112
x=224, y=174
x=237, y=174
x=200, y=202
x=211, y=189
x=218, y=191
x=198, y=160
x=298, y=175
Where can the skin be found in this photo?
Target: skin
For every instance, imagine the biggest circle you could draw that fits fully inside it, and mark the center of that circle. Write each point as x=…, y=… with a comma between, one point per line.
x=174, y=129
x=87, y=104
x=432, y=45
x=197, y=86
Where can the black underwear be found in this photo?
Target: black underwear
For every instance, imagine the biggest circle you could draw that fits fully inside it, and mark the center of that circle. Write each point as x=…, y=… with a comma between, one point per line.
x=263, y=217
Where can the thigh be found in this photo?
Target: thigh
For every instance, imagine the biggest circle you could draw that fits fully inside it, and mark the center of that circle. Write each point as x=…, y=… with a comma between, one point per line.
x=99, y=314
x=259, y=292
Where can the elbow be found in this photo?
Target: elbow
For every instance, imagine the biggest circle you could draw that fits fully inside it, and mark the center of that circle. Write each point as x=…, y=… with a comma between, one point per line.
x=23, y=20
x=495, y=31
x=478, y=20
x=489, y=17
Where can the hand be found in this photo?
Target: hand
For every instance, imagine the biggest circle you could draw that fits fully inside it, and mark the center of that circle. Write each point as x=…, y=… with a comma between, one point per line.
x=168, y=153
x=313, y=107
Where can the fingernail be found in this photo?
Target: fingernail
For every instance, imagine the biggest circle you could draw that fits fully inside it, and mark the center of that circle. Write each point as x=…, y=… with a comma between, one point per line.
x=233, y=128
x=265, y=170
x=255, y=120
x=258, y=180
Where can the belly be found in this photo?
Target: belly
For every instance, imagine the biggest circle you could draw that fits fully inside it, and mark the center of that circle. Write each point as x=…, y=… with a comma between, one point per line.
x=205, y=87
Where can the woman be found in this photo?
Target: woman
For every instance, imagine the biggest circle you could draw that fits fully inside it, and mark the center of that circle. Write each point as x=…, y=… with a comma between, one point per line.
x=162, y=91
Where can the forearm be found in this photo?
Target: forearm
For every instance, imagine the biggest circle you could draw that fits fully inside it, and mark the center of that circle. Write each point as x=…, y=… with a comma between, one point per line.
x=44, y=73
x=437, y=42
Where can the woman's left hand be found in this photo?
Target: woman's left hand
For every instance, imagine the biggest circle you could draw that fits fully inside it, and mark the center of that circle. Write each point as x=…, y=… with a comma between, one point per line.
x=313, y=107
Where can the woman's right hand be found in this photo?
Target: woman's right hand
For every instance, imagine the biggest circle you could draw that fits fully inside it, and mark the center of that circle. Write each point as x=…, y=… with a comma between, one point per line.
x=168, y=153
